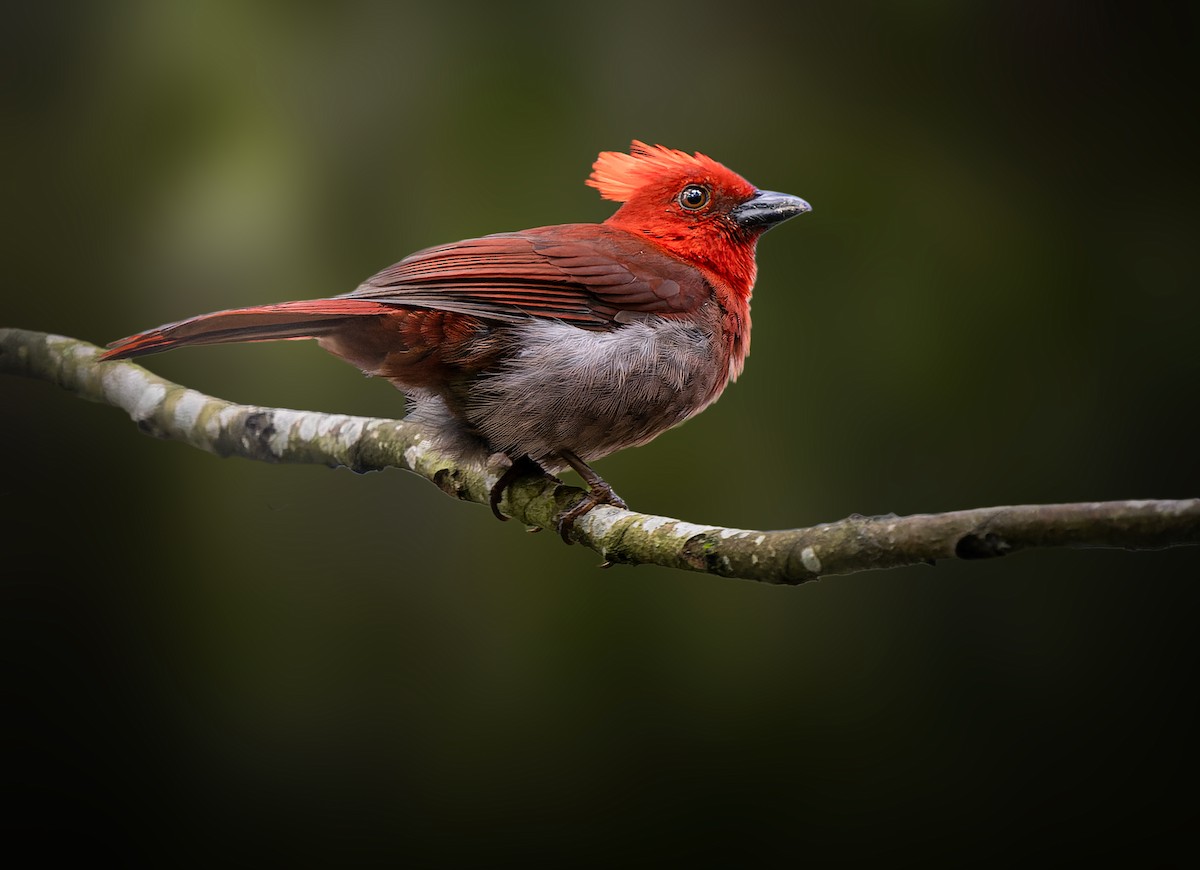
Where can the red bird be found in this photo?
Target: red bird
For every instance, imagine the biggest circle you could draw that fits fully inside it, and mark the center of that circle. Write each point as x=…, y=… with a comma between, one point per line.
x=557, y=345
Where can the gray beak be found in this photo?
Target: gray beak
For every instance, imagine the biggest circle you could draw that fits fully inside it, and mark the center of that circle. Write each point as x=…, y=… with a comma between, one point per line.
x=768, y=208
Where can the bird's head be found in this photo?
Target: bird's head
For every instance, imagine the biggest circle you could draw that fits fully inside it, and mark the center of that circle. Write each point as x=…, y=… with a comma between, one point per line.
x=693, y=206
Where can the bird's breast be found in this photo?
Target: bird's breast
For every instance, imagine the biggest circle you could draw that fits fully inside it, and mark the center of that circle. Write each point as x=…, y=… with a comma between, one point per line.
x=596, y=392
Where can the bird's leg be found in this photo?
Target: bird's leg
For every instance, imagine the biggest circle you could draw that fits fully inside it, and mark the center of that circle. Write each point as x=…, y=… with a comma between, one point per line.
x=521, y=466
x=599, y=492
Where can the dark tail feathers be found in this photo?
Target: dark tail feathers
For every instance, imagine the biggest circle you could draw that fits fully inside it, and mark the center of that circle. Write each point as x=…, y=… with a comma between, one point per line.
x=287, y=320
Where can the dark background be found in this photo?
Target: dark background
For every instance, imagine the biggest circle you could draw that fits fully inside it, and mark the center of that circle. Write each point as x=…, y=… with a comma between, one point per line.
x=994, y=301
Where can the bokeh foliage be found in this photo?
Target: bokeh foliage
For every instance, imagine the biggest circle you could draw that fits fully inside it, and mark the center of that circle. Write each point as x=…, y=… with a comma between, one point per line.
x=994, y=301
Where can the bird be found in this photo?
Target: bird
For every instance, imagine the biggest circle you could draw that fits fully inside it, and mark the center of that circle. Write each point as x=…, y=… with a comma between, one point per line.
x=554, y=346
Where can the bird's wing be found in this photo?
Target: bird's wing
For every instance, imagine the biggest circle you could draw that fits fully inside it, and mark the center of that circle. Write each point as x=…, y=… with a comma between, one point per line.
x=586, y=274
x=592, y=276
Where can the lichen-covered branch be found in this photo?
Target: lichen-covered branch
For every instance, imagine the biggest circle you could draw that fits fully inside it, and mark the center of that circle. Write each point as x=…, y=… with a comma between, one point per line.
x=793, y=556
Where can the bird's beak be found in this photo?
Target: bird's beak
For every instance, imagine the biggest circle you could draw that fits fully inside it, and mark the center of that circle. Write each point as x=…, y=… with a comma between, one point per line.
x=768, y=208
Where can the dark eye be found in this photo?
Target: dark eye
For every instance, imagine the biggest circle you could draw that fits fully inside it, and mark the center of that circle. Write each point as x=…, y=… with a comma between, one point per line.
x=694, y=197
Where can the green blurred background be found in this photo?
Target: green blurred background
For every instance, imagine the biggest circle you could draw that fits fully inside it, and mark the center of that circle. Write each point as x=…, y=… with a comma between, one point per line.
x=994, y=301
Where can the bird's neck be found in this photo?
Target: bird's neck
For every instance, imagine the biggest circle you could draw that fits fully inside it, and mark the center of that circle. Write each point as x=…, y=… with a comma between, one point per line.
x=729, y=260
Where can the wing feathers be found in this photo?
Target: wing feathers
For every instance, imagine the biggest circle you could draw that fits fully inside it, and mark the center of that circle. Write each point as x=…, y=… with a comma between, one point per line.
x=593, y=276
x=580, y=272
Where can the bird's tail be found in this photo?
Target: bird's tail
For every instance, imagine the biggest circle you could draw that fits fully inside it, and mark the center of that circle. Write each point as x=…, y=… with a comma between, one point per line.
x=287, y=320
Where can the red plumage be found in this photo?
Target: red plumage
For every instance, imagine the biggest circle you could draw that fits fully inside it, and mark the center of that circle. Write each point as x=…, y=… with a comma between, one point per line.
x=558, y=344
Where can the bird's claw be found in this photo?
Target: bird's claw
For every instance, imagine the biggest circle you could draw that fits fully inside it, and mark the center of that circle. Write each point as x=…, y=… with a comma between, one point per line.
x=520, y=467
x=599, y=491
x=599, y=494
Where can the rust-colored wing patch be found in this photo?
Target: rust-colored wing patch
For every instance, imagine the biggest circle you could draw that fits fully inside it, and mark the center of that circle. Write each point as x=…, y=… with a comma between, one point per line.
x=593, y=276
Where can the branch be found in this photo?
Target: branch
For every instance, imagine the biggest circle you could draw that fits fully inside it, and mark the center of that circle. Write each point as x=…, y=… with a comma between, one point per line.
x=858, y=543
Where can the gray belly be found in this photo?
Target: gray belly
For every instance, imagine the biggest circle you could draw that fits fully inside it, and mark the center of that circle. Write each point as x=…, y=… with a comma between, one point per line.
x=596, y=392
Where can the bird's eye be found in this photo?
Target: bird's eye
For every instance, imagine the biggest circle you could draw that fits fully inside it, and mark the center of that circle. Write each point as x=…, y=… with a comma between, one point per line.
x=694, y=197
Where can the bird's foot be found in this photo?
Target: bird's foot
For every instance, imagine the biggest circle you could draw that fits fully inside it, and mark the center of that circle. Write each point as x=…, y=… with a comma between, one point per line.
x=521, y=467
x=599, y=493
x=596, y=496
